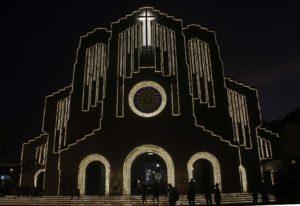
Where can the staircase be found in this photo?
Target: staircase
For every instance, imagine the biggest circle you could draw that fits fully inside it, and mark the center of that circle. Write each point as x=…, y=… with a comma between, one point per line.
x=228, y=198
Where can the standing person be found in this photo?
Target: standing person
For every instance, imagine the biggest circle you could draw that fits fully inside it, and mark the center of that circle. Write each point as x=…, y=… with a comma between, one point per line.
x=143, y=193
x=217, y=195
x=264, y=194
x=207, y=195
x=191, y=193
x=173, y=195
x=156, y=192
x=254, y=196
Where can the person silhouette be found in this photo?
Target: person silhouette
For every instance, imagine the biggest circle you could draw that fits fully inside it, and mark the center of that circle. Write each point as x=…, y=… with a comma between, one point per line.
x=75, y=192
x=156, y=192
x=254, y=196
x=143, y=193
x=207, y=195
x=173, y=195
x=191, y=193
x=217, y=195
x=264, y=194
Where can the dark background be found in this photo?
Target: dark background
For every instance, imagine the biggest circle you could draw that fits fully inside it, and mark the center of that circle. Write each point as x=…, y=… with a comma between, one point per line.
x=259, y=45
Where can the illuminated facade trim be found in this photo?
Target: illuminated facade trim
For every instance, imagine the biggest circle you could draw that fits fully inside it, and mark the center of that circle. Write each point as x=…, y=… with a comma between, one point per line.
x=269, y=148
x=200, y=72
x=146, y=18
x=141, y=85
x=94, y=76
x=35, y=177
x=240, y=118
x=186, y=63
x=61, y=124
x=130, y=51
x=214, y=162
x=82, y=171
x=141, y=150
x=243, y=178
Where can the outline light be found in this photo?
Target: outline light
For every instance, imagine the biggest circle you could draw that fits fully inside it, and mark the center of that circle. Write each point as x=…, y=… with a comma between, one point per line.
x=143, y=84
x=82, y=170
x=35, y=177
x=141, y=150
x=212, y=159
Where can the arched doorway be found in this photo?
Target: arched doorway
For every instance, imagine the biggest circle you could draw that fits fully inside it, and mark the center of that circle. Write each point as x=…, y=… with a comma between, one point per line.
x=203, y=175
x=95, y=179
x=148, y=169
x=210, y=167
x=93, y=175
x=39, y=177
x=146, y=149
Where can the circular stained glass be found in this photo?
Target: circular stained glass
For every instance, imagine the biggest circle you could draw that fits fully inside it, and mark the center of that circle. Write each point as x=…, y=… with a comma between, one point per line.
x=147, y=99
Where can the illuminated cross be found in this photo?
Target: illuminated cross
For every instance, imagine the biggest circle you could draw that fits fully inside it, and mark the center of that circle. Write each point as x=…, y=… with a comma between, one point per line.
x=145, y=17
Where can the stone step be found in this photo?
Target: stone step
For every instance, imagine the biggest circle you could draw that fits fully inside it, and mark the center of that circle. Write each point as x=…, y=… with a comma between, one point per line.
x=227, y=198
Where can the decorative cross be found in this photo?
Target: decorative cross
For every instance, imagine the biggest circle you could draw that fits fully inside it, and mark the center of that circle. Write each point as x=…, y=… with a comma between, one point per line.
x=146, y=17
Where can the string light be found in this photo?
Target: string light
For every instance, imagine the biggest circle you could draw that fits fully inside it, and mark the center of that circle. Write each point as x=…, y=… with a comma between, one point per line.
x=35, y=177
x=243, y=178
x=143, y=84
x=141, y=150
x=214, y=162
x=164, y=40
x=82, y=171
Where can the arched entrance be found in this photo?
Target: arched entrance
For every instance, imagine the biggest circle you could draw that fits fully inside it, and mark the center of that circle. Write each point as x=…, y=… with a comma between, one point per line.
x=93, y=175
x=203, y=175
x=38, y=179
x=146, y=149
x=210, y=167
x=148, y=169
x=95, y=179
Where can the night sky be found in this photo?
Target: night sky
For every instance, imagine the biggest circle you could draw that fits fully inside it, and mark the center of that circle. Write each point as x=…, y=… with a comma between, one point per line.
x=259, y=44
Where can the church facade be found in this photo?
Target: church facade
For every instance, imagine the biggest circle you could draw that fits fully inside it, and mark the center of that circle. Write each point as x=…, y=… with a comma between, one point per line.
x=149, y=103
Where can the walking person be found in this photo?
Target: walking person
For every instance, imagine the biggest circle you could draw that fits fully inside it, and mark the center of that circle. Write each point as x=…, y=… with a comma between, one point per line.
x=191, y=193
x=207, y=195
x=217, y=195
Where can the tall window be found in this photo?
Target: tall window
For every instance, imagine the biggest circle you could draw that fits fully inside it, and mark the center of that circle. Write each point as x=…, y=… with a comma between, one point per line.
x=146, y=17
